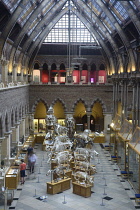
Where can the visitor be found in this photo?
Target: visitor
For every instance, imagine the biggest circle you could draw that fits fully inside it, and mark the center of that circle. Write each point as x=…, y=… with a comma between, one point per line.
x=22, y=171
x=32, y=160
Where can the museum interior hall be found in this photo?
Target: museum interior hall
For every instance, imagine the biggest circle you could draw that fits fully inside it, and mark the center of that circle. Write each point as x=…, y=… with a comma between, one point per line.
x=70, y=89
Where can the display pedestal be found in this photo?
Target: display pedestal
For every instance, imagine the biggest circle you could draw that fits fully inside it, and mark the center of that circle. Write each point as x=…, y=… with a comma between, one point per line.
x=81, y=179
x=60, y=186
x=81, y=189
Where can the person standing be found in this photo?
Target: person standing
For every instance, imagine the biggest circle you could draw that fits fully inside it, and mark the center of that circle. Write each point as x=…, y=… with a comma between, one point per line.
x=32, y=160
x=22, y=171
x=29, y=150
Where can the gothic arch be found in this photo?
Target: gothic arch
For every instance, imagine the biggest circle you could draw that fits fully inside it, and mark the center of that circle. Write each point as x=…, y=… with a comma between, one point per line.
x=12, y=118
x=36, y=103
x=77, y=101
x=1, y=127
x=61, y=101
x=101, y=102
x=16, y=115
x=6, y=120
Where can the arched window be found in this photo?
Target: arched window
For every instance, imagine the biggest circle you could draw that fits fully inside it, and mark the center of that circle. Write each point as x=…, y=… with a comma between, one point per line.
x=102, y=74
x=53, y=66
x=62, y=74
x=102, y=67
x=45, y=73
x=36, y=66
x=93, y=74
x=85, y=67
x=54, y=74
x=45, y=66
x=62, y=66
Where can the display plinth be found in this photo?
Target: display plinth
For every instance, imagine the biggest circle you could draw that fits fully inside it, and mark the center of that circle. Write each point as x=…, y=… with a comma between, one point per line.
x=81, y=189
x=56, y=187
x=81, y=179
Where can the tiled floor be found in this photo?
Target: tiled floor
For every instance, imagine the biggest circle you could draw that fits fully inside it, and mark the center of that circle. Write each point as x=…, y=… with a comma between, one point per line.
x=109, y=191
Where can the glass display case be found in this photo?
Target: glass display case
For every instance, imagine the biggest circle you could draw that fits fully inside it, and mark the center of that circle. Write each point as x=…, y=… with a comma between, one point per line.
x=134, y=160
x=124, y=136
x=39, y=126
x=114, y=129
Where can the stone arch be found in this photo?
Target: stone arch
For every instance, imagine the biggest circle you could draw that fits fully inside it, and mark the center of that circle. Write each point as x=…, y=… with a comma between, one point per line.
x=102, y=66
x=53, y=66
x=16, y=115
x=20, y=112
x=12, y=118
x=1, y=127
x=101, y=102
x=62, y=66
x=6, y=120
x=36, y=103
x=36, y=65
x=61, y=101
x=77, y=101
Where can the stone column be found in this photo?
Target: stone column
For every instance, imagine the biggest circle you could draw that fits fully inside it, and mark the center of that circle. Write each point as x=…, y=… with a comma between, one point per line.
x=8, y=140
x=15, y=73
x=88, y=120
x=134, y=105
x=26, y=125
x=4, y=76
x=1, y=140
x=22, y=130
x=31, y=123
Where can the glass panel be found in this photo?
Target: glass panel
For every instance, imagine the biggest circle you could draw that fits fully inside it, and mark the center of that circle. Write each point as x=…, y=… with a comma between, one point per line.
x=126, y=130
x=116, y=122
x=78, y=32
x=134, y=168
x=121, y=153
x=135, y=137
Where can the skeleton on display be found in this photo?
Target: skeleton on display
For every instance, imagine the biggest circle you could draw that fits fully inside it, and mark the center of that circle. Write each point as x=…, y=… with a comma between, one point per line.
x=79, y=175
x=63, y=161
x=87, y=166
x=59, y=129
x=61, y=143
x=50, y=118
x=70, y=123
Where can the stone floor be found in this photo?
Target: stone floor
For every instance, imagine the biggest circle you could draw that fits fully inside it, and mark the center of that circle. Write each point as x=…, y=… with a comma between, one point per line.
x=110, y=191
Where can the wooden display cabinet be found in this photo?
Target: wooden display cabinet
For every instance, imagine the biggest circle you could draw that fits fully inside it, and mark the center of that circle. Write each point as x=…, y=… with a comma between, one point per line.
x=12, y=178
x=81, y=189
x=60, y=186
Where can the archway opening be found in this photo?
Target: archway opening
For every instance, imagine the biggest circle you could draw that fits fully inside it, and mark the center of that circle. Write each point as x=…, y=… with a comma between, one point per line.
x=80, y=117
x=97, y=114
x=39, y=118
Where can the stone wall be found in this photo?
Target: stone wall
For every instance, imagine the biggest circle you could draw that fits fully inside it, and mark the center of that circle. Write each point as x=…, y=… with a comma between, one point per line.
x=69, y=95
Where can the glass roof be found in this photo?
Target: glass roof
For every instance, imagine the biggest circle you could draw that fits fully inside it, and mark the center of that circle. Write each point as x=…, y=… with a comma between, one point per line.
x=78, y=32
x=93, y=10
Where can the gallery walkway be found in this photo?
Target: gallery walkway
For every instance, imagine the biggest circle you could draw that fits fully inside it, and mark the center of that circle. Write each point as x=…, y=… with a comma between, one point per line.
x=110, y=191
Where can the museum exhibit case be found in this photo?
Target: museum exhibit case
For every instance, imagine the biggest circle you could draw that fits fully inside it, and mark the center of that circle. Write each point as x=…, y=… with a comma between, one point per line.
x=114, y=129
x=124, y=136
x=134, y=160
